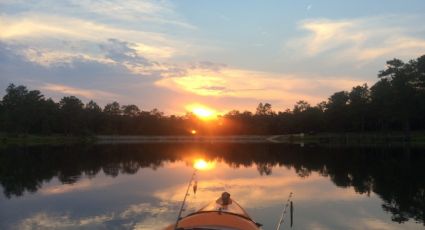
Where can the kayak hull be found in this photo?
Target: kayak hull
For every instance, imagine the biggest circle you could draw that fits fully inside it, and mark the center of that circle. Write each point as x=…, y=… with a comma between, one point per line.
x=222, y=214
x=215, y=220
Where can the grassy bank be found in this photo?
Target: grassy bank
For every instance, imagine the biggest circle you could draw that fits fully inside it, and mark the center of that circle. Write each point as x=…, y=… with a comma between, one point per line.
x=352, y=138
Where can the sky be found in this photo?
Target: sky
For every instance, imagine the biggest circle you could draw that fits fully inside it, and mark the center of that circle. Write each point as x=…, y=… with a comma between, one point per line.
x=224, y=55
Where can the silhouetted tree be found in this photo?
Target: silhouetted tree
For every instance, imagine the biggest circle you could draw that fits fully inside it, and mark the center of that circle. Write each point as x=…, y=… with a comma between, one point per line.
x=402, y=79
x=22, y=110
x=71, y=111
x=336, y=111
x=359, y=99
x=112, y=109
x=130, y=110
x=94, y=117
x=301, y=106
x=264, y=109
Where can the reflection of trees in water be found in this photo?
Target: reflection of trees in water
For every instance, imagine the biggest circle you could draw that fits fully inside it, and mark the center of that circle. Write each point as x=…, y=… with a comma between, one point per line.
x=396, y=175
x=264, y=169
x=25, y=169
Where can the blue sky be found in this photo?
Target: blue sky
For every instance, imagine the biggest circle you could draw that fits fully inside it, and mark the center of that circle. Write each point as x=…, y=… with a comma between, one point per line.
x=174, y=55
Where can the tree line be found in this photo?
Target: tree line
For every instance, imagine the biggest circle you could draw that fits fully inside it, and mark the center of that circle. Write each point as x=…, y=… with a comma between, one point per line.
x=394, y=103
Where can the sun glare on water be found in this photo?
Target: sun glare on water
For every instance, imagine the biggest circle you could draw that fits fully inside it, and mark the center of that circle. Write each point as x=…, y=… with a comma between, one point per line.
x=201, y=164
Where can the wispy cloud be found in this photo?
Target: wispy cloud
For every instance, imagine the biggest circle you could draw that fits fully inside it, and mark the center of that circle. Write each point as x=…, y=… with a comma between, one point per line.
x=160, y=12
x=57, y=32
x=46, y=57
x=63, y=32
x=129, y=55
x=309, y=7
x=131, y=11
x=359, y=39
x=32, y=25
x=86, y=93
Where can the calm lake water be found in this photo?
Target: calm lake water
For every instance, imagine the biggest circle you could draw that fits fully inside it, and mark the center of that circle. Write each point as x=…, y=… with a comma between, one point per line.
x=141, y=186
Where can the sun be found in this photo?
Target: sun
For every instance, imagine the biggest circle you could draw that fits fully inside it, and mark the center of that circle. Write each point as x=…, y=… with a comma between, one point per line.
x=202, y=112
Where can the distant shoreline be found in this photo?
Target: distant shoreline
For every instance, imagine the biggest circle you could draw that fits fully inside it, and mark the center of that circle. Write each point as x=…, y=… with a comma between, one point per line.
x=318, y=139
x=30, y=140
x=102, y=139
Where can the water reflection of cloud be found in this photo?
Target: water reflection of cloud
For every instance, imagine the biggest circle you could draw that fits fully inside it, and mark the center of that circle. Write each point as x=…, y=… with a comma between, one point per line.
x=84, y=184
x=52, y=221
x=145, y=207
x=377, y=224
x=138, y=216
x=259, y=191
x=371, y=223
x=359, y=214
x=317, y=226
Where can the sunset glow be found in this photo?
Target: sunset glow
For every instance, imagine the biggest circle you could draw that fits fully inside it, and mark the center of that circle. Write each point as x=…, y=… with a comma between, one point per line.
x=142, y=49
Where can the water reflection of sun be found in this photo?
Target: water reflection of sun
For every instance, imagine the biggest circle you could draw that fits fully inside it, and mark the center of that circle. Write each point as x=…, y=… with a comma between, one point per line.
x=201, y=164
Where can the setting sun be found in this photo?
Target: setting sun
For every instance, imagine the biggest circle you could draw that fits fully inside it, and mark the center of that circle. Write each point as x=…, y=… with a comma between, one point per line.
x=202, y=112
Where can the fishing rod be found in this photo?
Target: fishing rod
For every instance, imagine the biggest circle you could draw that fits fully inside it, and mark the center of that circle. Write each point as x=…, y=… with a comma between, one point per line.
x=288, y=203
x=184, y=199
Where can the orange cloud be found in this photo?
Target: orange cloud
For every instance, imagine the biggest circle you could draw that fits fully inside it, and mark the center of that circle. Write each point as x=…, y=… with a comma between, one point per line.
x=87, y=93
x=256, y=85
